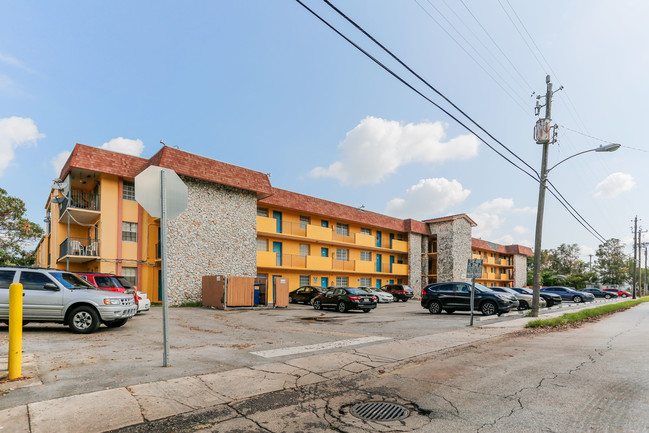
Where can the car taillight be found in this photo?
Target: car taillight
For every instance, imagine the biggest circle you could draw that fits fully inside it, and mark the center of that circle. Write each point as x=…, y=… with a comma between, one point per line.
x=373, y=298
x=355, y=298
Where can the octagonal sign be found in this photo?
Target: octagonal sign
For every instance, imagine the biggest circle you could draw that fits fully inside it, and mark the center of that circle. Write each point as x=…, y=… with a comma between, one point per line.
x=148, y=192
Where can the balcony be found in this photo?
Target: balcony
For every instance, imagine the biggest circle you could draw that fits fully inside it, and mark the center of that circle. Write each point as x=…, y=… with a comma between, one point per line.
x=78, y=250
x=83, y=208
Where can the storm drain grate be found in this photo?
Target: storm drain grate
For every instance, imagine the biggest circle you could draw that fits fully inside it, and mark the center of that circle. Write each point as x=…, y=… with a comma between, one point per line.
x=379, y=411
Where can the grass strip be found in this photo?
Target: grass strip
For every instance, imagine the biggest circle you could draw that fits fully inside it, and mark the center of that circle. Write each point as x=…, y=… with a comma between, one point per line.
x=578, y=316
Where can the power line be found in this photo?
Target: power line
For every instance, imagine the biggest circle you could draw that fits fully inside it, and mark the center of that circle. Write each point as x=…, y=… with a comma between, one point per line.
x=403, y=81
x=599, y=236
x=411, y=87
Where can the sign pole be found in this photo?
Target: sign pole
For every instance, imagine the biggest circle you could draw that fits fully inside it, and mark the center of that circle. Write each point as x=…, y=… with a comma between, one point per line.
x=473, y=271
x=472, y=299
x=163, y=267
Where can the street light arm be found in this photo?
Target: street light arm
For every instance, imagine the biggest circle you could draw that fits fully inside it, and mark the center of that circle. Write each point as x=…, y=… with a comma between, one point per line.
x=608, y=148
x=563, y=160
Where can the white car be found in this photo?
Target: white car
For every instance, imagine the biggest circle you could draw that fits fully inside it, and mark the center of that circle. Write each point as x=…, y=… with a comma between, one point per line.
x=144, y=303
x=382, y=296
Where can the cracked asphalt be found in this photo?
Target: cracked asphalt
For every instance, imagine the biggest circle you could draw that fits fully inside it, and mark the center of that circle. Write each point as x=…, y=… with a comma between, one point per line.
x=594, y=378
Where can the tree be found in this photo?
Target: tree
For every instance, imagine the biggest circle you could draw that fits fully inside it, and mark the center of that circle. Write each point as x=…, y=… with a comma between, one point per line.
x=564, y=260
x=612, y=262
x=15, y=231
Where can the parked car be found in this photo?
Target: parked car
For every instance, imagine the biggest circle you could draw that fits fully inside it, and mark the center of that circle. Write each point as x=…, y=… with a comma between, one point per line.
x=305, y=294
x=600, y=293
x=107, y=282
x=142, y=299
x=52, y=295
x=401, y=292
x=569, y=294
x=620, y=293
x=345, y=298
x=455, y=296
x=524, y=299
x=550, y=299
x=380, y=294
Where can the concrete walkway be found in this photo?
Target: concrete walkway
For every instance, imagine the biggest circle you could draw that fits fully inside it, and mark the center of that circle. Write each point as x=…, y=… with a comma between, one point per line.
x=115, y=408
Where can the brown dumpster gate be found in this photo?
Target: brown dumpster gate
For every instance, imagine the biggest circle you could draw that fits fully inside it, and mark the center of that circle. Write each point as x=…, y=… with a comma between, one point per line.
x=221, y=292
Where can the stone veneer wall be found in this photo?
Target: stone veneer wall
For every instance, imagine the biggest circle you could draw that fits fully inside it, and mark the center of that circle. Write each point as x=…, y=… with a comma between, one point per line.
x=520, y=270
x=414, y=262
x=453, y=248
x=215, y=235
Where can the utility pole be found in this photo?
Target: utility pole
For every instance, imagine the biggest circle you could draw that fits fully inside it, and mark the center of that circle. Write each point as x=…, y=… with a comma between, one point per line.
x=590, y=262
x=635, y=250
x=539, y=210
x=645, y=270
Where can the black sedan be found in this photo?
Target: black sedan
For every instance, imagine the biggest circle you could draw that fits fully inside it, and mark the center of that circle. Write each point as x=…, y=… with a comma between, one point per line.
x=345, y=298
x=600, y=293
x=550, y=298
x=305, y=294
x=456, y=296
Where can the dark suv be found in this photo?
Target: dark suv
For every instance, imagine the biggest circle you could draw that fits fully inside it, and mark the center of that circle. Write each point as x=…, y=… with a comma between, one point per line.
x=401, y=292
x=457, y=296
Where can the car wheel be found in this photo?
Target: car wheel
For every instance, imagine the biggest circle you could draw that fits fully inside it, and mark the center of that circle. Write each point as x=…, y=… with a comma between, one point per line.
x=624, y=296
x=342, y=307
x=116, y=323
x=366, y=310
x=523, y=305
x=405, y=299
x=317, y=305
x=577, y=299
x=607, y=296
x=549, y=302
x=435, y=307
x=489, y=308
x=291, y=300
x=83, y=320
x=450, y=310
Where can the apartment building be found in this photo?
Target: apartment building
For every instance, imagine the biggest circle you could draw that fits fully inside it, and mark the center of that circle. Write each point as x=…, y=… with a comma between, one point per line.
x=237, y=224
x=499, y=263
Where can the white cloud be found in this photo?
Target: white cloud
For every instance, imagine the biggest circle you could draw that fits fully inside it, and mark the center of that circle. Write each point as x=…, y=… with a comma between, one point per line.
x=531, y=210
x=488, y=216
x=377, y=147
x=428, y=198
x=521, y=230
x=12, y=61
x=59, y=161
x=614, y=185
x=15, y=132
x=125, y=145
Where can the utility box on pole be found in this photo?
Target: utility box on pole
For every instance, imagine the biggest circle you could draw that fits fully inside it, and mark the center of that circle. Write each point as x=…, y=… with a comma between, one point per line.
x=542, y=131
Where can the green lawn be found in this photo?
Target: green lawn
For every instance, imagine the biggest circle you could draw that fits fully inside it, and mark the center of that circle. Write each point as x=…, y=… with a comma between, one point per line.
x=578, y=316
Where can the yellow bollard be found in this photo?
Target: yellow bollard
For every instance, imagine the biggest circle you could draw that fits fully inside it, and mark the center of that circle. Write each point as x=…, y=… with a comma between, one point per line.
x=15, y=330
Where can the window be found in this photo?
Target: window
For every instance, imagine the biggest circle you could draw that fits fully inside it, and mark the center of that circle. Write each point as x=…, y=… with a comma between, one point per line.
x=131, y=275
x=366, y=256
x=304, y=250
x=324, y=252
x=129, y=231
x=128, y=192
x=342, y=254
x=262, y=244
x=304, y=280
x=342, y=229
x=6, y=278
x=341, y=281
x=365, y=231
x=324, y=223
x=304, y=221
x=106, y=281
x=33, y=280
x=262, y=212
x=366, y=282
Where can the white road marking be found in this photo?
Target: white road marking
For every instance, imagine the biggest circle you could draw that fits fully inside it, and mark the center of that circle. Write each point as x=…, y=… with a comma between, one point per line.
x=317, y=347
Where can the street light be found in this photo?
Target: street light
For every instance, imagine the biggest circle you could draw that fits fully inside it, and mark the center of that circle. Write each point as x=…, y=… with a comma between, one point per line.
x=539, y=215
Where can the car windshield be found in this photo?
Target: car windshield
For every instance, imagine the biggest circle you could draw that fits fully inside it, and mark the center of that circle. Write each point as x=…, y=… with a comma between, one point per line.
x=71, y=281
x=525, y=291
x=482, y=288
x=124, y=282
x=356, y=291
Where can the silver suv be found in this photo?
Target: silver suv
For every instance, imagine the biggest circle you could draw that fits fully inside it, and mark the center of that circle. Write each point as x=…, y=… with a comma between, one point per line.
x=52, y=295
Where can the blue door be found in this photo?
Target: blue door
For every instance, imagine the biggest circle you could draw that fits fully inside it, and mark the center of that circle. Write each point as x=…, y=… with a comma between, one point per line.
x=378, y=283
x=324, y=281
x=391, y=262
x=378, y=238
x=391, y=239
x=277, y=248
x=278, y=218
x=378, y=263
x=324, y=252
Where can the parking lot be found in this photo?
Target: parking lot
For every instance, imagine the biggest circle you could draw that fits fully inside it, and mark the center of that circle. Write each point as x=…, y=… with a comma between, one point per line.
x=202, y=340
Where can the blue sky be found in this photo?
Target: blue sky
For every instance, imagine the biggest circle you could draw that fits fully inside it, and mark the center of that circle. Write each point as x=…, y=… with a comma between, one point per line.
x=265, y=85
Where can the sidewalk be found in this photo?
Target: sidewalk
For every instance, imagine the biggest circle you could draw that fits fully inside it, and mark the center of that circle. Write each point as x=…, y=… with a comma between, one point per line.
x=120, y=407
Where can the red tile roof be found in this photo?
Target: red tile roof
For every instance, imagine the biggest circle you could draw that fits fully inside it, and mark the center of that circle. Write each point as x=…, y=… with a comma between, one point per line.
x=503, y=249
x=183, y=163
x=451, y=218
x=307, y=204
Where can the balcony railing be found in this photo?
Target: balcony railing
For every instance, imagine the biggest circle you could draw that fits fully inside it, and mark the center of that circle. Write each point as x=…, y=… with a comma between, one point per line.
x=79, y=247
x=81, y=200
